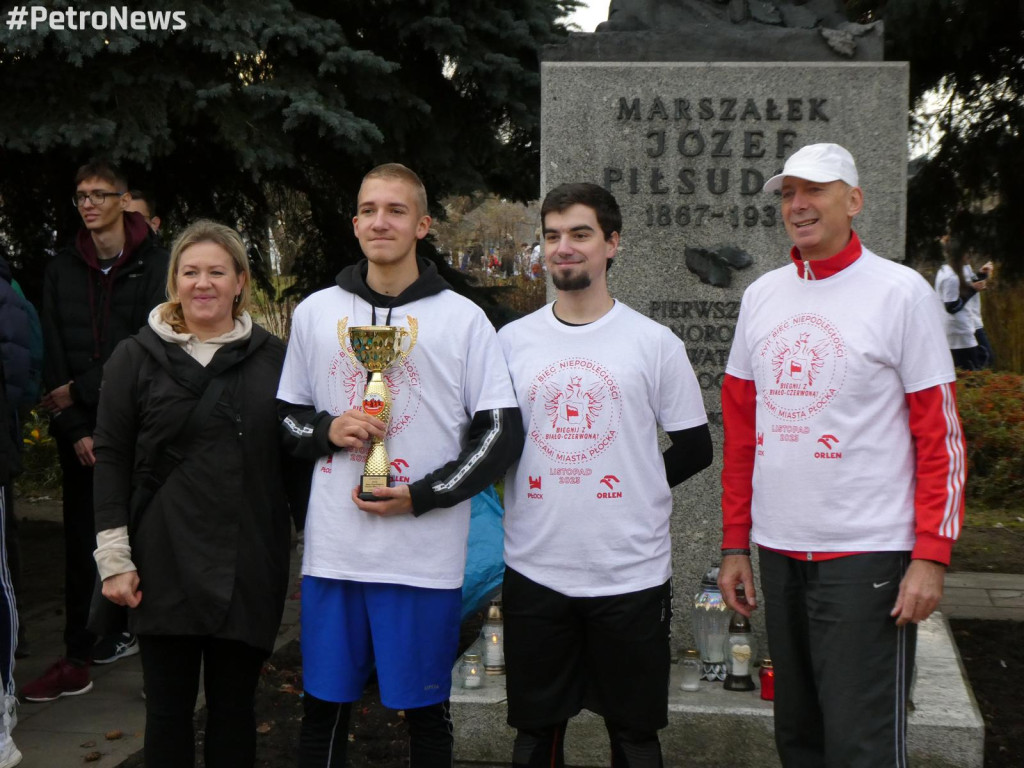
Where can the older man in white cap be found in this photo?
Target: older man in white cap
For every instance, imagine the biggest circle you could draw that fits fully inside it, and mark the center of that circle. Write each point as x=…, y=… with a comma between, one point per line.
x=844, y=463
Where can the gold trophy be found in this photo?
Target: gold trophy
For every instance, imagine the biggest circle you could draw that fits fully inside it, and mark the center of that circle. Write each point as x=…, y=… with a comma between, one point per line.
x=377, y=348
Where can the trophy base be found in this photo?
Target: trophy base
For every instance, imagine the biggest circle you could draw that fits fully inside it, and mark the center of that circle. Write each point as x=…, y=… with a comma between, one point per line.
x=367, y=484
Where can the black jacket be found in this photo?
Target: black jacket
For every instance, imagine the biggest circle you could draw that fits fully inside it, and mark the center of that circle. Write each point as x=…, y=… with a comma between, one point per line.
x=212, y=547
x=87, y=313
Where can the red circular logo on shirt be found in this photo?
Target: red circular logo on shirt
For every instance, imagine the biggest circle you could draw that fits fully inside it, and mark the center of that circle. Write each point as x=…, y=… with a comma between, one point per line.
x=576, y=407
x=803, y=366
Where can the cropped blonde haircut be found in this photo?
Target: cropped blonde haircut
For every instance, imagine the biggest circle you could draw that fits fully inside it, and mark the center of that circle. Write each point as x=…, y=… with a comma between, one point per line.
x=205, y=231
x=398, y=172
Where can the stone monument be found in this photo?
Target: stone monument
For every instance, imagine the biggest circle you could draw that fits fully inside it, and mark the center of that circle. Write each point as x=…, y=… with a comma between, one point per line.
x=727, y=23
x=682, y=109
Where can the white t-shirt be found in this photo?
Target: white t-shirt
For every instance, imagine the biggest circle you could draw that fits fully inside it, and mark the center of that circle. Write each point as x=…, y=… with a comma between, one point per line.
x=832, y=361
x=959, y=327
x=973, y=305
x=454, y=370
x=587, y=506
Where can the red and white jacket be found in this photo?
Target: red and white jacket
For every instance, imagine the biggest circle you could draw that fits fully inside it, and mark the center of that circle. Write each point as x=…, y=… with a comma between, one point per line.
x=839, y=408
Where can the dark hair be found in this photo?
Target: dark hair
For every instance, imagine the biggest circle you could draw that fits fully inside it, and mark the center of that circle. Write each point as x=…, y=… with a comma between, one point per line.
x=956, y=257
x=595, y=197
x=148, y=199
x=564, y=196
x=102, y=169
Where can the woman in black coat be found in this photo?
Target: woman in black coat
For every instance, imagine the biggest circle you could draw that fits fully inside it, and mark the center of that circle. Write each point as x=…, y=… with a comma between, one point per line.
x=192, y=511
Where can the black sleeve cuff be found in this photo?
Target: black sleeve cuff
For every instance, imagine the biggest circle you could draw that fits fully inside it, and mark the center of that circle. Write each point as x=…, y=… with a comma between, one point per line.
x=690, y=452
x=423, y=498
x=495, y=440
x=305, y=430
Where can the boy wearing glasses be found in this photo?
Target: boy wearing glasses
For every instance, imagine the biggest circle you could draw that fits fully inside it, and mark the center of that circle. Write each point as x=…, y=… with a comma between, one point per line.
x=98, y=291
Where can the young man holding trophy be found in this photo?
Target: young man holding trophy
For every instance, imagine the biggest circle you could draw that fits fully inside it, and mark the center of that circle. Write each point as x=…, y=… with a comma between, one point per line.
x=396, y=386
x=587, y=591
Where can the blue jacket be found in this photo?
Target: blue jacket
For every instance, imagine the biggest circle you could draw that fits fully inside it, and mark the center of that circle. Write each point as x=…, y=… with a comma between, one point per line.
x=16, y=342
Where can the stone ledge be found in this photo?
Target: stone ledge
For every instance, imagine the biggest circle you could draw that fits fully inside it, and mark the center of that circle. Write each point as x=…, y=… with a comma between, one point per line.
x=984, y=612
x=720, y=729
x=985, y=580
x=705, y=42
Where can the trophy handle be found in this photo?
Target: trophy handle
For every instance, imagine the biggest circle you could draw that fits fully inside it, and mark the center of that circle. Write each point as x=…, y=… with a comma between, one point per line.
x=343, y=341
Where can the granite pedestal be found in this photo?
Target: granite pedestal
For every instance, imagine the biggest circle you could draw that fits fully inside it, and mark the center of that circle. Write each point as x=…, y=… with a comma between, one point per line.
x=685, y=147
x=715, y=728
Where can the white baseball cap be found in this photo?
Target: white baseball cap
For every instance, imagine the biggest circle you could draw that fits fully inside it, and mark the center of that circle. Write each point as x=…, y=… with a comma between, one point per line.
x=817, y=162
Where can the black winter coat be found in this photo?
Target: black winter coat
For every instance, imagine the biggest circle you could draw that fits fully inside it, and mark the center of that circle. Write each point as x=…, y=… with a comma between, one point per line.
x=87, y=313
x=212, y=547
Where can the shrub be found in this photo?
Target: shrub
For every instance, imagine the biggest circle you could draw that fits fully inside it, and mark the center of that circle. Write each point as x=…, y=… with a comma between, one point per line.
x=40, y=468
x=992, y=413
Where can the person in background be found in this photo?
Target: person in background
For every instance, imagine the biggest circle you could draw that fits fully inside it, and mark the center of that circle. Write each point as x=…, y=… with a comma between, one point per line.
x=536, y=264
x=959, y=288
x=15, y=386
x=21, y=351
x=203, y=566
x=508, y=261
x=97, y=292
x=144, y=203
x=522, y=260
x=986, y=357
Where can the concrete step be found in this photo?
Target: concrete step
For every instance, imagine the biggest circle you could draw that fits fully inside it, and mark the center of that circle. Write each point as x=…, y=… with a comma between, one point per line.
x=715, y=728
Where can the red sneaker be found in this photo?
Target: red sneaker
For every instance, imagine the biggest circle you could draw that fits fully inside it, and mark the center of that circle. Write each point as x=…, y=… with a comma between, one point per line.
x=62, y=679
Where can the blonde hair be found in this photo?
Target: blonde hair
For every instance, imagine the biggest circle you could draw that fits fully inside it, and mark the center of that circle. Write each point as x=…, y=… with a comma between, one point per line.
x=399, y=172
x=205, y=231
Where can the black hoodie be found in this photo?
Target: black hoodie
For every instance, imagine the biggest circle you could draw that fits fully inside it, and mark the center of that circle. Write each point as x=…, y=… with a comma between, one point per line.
x=429, y=283
x=501, y=430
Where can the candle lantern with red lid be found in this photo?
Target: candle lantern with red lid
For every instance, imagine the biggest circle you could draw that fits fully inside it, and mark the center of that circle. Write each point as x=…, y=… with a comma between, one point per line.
x=767, y=680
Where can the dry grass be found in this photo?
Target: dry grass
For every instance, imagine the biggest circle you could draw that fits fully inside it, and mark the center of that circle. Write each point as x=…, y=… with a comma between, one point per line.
x=519, y=294
x=1002, y=308
x=274, y=312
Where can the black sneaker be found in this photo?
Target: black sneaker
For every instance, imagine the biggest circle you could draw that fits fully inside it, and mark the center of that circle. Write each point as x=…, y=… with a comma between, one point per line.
x=115, y=647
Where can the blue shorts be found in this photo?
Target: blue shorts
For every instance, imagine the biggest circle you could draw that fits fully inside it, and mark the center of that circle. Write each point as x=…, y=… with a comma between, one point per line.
x=411, y=632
